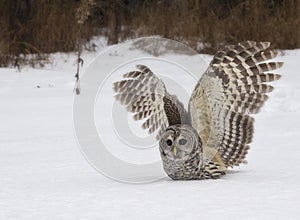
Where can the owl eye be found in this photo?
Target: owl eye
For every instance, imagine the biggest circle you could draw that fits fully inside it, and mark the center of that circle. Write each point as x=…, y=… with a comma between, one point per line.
x=169, y=142
x=182, y=141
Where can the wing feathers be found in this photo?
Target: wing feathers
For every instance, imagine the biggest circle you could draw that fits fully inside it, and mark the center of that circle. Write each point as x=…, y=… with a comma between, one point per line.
x=237, y=134
x=239, y=52
x=145, y=94
x=235, y=83
x=257, y=79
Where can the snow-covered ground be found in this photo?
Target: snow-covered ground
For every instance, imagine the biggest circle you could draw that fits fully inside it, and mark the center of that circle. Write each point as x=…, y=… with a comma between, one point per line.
x=43, y=174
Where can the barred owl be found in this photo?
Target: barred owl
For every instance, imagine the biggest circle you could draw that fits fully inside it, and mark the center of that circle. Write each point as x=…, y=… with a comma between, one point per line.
x=216, y=130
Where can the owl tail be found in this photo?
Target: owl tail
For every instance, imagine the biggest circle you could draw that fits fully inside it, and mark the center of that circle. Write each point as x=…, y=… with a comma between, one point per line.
x=213, y=170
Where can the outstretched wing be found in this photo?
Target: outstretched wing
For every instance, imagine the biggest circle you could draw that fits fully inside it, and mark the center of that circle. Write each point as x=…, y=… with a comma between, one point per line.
x=233, y=86
x=145, y=95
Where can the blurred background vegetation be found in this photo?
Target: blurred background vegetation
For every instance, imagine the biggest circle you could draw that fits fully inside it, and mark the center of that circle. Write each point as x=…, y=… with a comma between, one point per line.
x=40, y=27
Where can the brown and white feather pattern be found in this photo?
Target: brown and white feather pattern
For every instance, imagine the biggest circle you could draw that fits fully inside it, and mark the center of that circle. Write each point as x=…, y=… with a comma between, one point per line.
x=212, y=170
x=233, y=87
x=145, y=95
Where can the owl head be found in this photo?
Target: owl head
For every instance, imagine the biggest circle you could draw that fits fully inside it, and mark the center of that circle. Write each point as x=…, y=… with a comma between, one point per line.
x=179, y=142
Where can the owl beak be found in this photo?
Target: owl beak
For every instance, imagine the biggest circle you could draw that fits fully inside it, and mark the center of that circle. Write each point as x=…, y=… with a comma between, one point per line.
x=175, y=151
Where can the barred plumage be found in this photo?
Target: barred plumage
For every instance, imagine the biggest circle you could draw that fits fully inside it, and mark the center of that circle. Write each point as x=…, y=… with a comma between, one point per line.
x=146, y=96
x=216, y=131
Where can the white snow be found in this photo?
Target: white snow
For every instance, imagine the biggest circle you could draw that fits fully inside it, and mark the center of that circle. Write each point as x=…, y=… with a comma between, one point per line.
x=43, y=174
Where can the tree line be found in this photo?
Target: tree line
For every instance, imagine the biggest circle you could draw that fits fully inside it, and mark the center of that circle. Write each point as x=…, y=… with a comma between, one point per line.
x=45, y=26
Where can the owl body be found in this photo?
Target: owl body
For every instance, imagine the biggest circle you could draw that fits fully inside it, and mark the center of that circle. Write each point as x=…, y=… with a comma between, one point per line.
x=189, y=164
x=196, y=167
x=189, y=169
x=182, y=155
x=216, y=131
